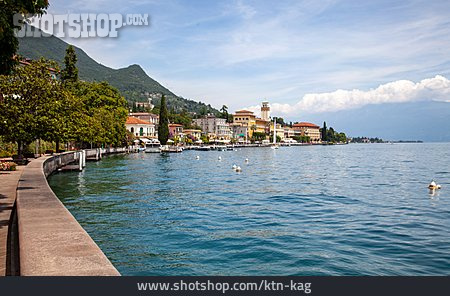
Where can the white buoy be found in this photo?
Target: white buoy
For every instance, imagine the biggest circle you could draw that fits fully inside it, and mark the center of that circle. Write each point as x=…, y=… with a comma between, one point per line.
x=234, y=167
x=238, y=169
x=197, y=157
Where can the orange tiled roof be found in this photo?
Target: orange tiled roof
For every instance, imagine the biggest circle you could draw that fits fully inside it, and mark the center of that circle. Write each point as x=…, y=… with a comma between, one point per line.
x=143, y=114
x=134, y=120
x=244, y=111
x=305, y=124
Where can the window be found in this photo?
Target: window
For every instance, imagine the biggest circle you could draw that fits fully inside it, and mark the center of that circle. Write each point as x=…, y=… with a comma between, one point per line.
x=132, y=130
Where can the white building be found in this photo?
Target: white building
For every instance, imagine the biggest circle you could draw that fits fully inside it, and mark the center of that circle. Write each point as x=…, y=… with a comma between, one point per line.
x=213, y=125
x=240, y=132
x=140, y=128
x=150, y=117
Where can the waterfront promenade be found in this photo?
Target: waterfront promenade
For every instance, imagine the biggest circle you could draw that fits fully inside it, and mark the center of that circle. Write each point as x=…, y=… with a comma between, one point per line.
x=48, y=240
x=8, y=182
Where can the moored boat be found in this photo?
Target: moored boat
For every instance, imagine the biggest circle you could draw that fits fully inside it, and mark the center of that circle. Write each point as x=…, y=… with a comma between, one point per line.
x=153, y=146
x=204, y=148
x=171, y=149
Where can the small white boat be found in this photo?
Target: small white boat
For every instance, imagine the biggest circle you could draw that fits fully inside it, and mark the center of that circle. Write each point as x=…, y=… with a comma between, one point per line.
x=204, y=148
x=171, y=149
x=154, y=146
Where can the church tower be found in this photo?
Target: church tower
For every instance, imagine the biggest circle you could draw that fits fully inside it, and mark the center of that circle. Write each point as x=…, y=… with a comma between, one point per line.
x=265, y=111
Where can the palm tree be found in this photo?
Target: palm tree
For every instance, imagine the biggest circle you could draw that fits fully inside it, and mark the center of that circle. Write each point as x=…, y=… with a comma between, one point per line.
x=224, y=111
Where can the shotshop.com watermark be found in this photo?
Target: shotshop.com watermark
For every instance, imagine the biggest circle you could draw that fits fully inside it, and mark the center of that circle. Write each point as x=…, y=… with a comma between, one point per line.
x=82, y=25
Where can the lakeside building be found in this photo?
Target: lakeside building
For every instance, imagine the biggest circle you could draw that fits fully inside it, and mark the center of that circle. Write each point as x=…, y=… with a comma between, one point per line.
x=279, y=131
x=214, y=126
x=195, y=134
x=262, y=125
x=245, y=123
x=176, y=130
x=307, y=129
x=246, y=118
x=140, y=128
x=289, y=132
x=150, y=117
x=239, y=132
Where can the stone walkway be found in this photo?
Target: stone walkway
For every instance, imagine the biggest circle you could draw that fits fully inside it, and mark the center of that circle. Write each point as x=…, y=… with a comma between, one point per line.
x=8, y=190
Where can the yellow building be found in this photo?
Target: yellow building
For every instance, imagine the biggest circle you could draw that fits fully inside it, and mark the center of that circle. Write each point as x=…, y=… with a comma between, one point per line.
x=279, y=131
x=246, y=118
x=262, y=126
x=195, y=133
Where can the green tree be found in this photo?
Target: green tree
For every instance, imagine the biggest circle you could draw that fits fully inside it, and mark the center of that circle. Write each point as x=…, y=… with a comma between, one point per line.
x=203, y=110
x=331, y=137
x=34, y=106
x=224, y=111
x=183, y=118
x=342, y=137
x=8, y=41
x=163, y=128
x=101, y=114
x=258, y=136
x=70, y=72
x=280, y=120
x=204, y=138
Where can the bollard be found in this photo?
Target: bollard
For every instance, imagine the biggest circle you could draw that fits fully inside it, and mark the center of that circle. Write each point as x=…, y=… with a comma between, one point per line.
x=80, y=161
x=84, y=158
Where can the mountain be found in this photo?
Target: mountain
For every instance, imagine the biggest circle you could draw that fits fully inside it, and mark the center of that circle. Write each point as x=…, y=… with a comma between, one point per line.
x=427, y=121
x=132, y=81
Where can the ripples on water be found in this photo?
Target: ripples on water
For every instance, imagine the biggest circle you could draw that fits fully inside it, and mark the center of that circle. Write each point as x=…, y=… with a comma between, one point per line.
x=360, y=209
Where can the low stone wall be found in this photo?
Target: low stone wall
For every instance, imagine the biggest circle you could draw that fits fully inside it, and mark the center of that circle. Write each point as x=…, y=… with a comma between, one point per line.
x=51, y=164
x=51, y=241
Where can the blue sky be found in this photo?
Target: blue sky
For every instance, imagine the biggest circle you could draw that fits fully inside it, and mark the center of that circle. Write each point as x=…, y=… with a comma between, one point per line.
x=240, y=52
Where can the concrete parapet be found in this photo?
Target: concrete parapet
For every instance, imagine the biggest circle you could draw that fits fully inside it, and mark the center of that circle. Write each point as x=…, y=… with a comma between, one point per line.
x=51, y=241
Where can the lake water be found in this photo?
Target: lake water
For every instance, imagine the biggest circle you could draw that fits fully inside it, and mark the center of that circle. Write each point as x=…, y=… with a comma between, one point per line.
x=358, y=209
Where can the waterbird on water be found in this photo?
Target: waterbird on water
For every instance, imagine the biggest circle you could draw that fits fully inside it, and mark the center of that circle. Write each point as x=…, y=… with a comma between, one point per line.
x=246, y=160
x=238, y=169
x=220, y=157
x=433, y=185
x=197, y=157
x=234, y=167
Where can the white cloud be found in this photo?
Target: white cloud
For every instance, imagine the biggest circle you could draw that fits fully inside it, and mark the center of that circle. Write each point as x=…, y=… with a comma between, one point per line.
x=401, y=91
